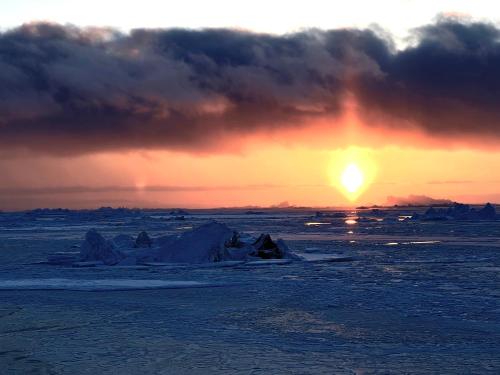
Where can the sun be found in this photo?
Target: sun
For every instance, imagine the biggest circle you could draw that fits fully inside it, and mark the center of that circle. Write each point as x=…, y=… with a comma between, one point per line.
x=352, y=171
x=352, y=178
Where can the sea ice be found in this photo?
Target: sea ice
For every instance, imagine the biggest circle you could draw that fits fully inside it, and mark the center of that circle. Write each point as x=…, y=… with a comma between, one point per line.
x=459, y=211
x=61, y=259
x=212, y=242
x=98, y=285
x=316, y=257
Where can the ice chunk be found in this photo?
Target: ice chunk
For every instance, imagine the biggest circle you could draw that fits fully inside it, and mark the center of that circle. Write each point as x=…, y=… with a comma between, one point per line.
x=123, y=241
x=488, y=212
x=143, y=240
x=243, y=247
x=239, y=253
x=209, y=243
x=96, y=248
x=265, y=248
x=200, y=245
x=215, y=242
x=282, y=246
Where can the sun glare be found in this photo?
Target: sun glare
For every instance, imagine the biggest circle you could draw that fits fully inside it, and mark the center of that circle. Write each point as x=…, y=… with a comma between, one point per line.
x=352, y=178
x=352, y=171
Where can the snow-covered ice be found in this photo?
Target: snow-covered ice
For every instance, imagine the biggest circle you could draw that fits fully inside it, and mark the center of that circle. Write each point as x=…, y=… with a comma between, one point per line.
x=208, y=243
x=200, y=297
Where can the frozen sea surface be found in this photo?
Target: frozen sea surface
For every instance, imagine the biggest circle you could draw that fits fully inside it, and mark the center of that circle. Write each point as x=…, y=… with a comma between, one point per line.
x=98, y=285
x=375, y=297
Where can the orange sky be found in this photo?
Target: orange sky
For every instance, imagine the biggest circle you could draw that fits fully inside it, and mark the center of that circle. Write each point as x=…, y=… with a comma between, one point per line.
x=302, y=176
x=263, y=176
x=300, y=166
x=152, y=129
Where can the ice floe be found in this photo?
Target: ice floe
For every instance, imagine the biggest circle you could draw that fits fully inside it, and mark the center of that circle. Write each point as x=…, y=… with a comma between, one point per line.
x=212, y=242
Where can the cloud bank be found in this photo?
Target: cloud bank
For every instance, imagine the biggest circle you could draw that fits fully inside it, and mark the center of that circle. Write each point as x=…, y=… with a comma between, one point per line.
x=69, y=90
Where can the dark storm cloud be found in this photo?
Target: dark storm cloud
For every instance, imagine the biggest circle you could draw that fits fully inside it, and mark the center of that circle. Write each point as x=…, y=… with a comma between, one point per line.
x=69, y=90
x=447, y=83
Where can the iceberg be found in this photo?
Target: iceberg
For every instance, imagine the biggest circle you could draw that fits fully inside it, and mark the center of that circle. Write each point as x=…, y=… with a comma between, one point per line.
x=212, y=242
x=216, y=242
x=488, y=212
x=201, y=245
